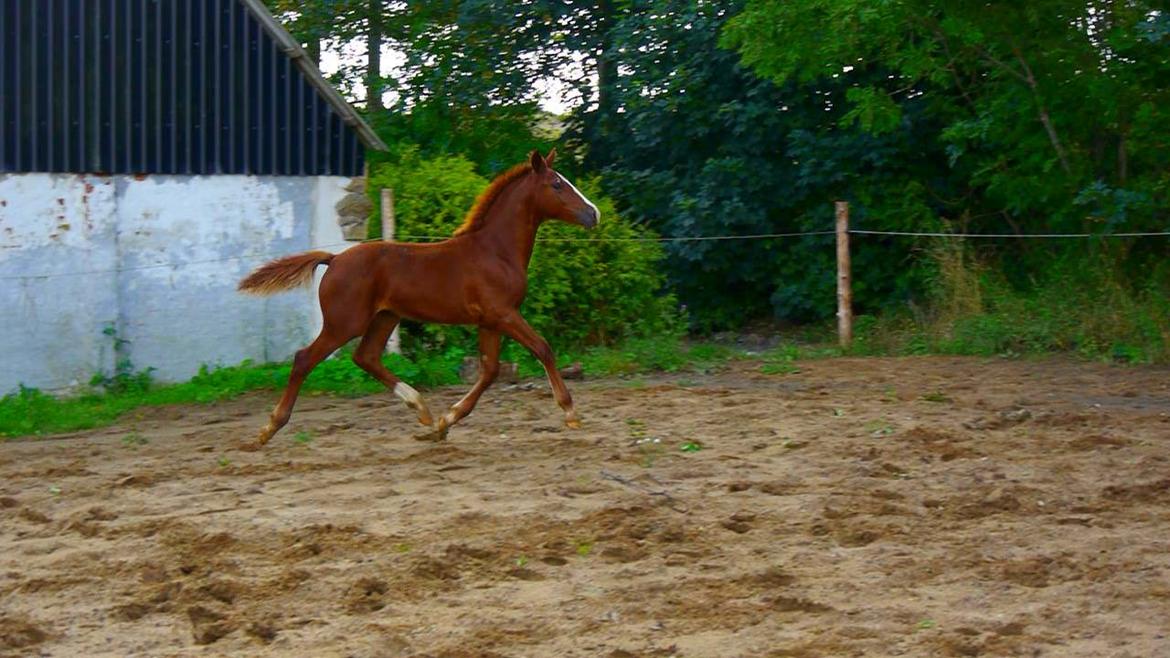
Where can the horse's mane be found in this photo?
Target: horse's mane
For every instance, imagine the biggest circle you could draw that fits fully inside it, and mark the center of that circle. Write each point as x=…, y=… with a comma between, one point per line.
x=476, y=215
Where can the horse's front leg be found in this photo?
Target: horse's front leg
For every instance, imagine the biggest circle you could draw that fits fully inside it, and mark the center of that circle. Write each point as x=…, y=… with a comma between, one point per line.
x=517, y=328
x=489, y=368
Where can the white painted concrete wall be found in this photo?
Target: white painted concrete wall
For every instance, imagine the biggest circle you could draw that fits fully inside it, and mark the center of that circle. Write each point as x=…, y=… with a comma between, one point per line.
x=154, y=260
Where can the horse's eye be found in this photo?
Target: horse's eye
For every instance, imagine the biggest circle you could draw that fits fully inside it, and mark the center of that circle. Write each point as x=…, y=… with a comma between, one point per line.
x=557, y=185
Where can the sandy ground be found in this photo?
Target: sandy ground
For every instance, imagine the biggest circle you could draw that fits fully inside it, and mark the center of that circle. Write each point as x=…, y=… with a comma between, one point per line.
x=858, y=507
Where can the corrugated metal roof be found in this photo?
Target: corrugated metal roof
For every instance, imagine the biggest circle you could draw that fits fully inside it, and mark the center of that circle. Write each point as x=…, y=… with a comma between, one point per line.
x=166, y=86
x=309, y=68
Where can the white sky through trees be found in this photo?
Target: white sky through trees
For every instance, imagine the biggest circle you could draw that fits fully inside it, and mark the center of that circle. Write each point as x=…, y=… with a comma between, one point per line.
x=552, y=93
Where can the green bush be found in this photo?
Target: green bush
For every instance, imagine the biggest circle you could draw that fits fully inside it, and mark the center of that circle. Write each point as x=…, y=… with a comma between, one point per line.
x=431, y=195
x=599, y=287
x=585, y=288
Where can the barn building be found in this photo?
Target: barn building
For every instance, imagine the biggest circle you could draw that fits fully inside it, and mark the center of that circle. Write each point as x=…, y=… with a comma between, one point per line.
x=152, y=152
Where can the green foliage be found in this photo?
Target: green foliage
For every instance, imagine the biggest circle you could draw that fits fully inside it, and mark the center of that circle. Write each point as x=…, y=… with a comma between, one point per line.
x=779, y=368
x=431, y=194
x=125, y=378
x=781, y=360
x=1032, y=117
x=706, y=148
x=600, y=287
x=752, y=116
x=873, y=110
x=635, y=355
x=493, y=138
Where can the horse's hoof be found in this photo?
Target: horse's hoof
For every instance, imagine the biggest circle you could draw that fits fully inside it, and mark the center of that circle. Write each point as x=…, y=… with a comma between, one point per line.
x=434, y=436
x=259, y=442
x=437, y=434
x=573, y=423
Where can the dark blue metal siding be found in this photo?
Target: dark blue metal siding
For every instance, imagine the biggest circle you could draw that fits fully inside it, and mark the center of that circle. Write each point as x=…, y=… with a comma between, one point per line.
x=162, y=87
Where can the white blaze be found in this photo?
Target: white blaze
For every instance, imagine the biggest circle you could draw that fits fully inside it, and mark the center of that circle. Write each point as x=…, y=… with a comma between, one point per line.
x=596, y=212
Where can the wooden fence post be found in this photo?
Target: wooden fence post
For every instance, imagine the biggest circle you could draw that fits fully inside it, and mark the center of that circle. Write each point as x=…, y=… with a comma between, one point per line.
x=388, y=230
x=844, y=280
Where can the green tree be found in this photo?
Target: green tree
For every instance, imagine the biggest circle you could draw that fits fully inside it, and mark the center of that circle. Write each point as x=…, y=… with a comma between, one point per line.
x=340, y=22
x=1038, y=102
x=706, y=148
x=486, y=56
x=1048, y=112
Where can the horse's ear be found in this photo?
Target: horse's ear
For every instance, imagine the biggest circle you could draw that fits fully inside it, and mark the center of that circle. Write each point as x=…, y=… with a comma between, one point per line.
x=552, y=155
x=538, y=163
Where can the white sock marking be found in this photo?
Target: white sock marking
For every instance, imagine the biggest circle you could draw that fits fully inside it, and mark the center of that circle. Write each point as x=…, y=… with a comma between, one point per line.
x=407, y=393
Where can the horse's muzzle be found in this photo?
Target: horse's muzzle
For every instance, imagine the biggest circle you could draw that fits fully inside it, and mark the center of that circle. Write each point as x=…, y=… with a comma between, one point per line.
x=587, y=217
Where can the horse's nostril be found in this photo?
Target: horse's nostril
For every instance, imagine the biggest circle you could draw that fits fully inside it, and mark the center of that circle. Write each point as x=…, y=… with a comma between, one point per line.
x=587, y=217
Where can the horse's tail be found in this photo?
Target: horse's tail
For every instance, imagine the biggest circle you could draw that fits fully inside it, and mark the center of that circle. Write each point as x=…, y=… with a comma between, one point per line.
x=284, y=273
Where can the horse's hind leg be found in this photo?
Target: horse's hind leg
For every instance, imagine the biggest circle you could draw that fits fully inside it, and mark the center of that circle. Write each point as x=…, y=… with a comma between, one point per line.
x=369, y=357
x=489, y=367
x=303, y=363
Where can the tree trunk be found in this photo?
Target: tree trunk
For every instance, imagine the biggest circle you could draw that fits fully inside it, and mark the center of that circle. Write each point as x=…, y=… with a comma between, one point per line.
x=1053, y=137
x=1122, y=157
x=374, y=58
x=313, y=48
x=596, y=127
x=606, y=60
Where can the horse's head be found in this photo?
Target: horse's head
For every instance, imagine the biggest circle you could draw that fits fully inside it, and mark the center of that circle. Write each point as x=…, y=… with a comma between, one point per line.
x=557, y=198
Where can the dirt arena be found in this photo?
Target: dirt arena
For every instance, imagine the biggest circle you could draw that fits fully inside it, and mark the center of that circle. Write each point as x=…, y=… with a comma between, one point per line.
x=858, y=507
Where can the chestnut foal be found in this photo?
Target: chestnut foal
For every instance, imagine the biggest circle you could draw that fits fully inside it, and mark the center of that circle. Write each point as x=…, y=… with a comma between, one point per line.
x=479, y=276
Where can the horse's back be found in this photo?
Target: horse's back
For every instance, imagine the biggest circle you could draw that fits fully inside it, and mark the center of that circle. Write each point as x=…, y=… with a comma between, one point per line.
x=427, y=282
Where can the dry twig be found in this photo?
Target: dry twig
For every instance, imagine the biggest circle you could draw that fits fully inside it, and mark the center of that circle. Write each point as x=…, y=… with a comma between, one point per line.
x=671, y=502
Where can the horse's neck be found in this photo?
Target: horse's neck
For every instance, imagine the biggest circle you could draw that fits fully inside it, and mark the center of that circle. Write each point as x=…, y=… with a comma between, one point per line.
x=510, y=225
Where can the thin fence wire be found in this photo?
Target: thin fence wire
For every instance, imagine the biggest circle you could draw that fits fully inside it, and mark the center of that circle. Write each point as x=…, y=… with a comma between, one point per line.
x=1025, y=236
x=416, y=238
x=697, y=238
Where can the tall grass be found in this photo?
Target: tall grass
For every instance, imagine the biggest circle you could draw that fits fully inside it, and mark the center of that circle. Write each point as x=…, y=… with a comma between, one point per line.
x=1084, y=303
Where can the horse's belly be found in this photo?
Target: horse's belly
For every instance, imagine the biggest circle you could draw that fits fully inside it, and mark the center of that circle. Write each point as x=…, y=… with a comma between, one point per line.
x=433, y=305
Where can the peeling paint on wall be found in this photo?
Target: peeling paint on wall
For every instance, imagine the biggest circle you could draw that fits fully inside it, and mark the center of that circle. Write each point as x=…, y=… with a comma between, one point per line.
x=157, y=258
